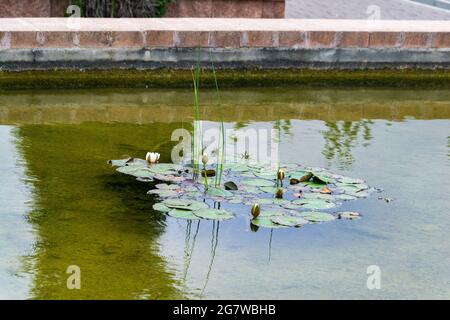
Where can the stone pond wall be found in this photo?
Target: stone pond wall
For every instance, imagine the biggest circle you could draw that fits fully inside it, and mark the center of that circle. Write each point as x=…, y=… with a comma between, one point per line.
x=50, y=43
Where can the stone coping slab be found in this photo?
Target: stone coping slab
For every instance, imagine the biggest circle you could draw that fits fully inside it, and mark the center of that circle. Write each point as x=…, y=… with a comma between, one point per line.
x=218, y=24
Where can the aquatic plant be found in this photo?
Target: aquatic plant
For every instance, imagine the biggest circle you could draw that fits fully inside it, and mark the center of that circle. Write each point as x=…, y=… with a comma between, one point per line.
x=221, y=147
x=254, y=186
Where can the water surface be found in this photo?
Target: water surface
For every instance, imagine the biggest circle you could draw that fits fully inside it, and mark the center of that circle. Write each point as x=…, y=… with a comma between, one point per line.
x=61, y=205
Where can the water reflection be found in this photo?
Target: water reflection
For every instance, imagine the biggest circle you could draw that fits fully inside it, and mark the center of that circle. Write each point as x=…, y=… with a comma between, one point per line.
x=341, y=137
x=88, y=216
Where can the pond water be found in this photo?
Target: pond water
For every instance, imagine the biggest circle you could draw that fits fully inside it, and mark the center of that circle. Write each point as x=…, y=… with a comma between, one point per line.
x=62, y=205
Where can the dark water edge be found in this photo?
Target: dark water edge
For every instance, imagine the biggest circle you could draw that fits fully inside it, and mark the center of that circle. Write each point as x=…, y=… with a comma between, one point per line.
x=172, y=78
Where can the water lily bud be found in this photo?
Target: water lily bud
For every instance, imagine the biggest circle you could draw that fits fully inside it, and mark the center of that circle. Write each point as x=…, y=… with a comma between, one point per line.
x=152, y=157
x=280, y=175
x=256, y=210
x=205, y=158
x=279, y=193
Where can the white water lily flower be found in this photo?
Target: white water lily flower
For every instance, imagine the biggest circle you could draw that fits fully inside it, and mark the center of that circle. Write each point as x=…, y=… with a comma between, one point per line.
x=152, y=157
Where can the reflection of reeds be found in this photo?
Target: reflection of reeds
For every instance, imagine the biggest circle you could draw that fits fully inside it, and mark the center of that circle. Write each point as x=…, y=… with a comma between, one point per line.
x=214, y=242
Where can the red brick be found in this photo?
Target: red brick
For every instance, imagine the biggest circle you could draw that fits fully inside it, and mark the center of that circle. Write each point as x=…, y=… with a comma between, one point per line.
x=321, y=39
x=354, y=40
x=273, y=9
x=192, y=39
x=289, y=39
x=224, y=39
x=95, y=39
x=384, y=39
x=159, y=38
x=415, y=40
x=237, y=9
x=128, y=39
x=260, y=39
x=441, y=40
x=25, y=39
x=194, y=8
x=59, y=39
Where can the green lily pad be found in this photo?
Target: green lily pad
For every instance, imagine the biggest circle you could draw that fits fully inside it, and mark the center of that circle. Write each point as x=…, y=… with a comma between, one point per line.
x=258, y=183
x=214, y=214
x=266, y=222
x=164, y=193
x=314, y=216
x=136, y=171
x=168, y=178
x=289, y=221
x=350, y=180
x=314, y=184
x=164, y=186
x=345, y=197
x=161, y=207
x=269, y=213
x=314, y=203
x=322, y=177
x=218, y=192
x=271, y=189
x=182, y=214
x=184, y=204
x=128, y=162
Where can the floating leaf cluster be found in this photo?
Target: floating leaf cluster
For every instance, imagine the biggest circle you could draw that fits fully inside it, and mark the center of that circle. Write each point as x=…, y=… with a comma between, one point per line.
x=305, y=195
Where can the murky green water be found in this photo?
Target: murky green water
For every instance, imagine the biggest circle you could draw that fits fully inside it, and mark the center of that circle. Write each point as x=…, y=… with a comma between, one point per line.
x=61, y=205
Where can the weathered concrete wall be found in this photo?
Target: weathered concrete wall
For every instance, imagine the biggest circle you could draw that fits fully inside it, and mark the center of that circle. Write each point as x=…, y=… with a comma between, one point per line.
x=233, y=43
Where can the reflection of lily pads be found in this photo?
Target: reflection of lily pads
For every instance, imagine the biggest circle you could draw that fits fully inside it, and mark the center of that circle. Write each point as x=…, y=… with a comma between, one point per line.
x=314, y=216
x=182, y=214
x=289, y=221
x=214, y=214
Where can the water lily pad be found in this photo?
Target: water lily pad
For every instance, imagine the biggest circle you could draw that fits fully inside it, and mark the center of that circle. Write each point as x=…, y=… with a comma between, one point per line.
x=214, y=214
x=314, y=203
x=184, y=204
x=182, y=214
x=270, y=213
x=164, y=193
x=322, y=177
x=164, y=186
x=161, y=207
x=266, y=222
x=218, y=192
x=345, y=197
x=350, y=180
x=169, y=178
x=271, y=189
x=314, y=216
x=136, y=171
x=289, y=221
x=258, y=183
x=128, y=162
